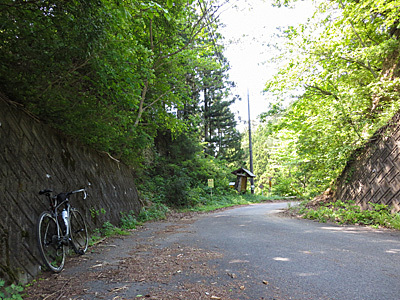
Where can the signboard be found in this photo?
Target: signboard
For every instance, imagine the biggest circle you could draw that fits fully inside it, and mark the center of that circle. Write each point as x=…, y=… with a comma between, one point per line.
x=210, y=183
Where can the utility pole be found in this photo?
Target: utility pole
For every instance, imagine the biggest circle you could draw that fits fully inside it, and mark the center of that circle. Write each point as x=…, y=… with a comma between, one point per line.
x=250, y=146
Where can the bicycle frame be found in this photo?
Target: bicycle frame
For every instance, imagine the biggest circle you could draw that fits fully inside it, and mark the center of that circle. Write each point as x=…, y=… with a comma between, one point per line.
x=65, y=238
x=59, y=227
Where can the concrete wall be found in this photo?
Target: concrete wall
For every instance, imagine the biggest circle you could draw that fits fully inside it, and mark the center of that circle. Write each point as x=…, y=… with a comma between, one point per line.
x=373, y=175
x=34, y=157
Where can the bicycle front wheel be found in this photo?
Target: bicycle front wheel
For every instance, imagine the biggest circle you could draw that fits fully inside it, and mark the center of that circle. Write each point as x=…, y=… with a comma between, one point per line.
x=79, y=233
x=51, y=248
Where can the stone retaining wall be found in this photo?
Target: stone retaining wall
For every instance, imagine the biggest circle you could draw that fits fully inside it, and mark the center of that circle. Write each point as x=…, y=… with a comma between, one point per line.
x=34, y=157
x=373, y=174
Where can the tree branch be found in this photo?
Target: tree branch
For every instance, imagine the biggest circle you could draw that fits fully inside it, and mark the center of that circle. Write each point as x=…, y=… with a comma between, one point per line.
x=196, y=29
x=340, y=107
x=155, y=101
x=324, y=92
x=369, y=68
x=142, y=98
x=361, y=41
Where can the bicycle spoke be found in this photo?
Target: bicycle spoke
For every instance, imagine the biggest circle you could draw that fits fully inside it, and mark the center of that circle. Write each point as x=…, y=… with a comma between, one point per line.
x=79, y=234
x=62, y=227
x=50, y=246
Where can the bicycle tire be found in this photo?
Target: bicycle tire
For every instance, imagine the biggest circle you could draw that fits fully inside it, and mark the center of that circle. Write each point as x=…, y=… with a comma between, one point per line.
x=78, y=233
x=51, y=248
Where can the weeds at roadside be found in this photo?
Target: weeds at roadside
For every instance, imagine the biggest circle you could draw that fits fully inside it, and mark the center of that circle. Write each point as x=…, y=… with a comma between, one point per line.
x=105, y=231
x=157, y=211
x=349, y=213
x=11, y=292
x=129, y=221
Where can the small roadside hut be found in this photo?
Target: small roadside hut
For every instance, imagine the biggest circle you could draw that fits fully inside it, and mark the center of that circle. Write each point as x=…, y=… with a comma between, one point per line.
x=241, y=179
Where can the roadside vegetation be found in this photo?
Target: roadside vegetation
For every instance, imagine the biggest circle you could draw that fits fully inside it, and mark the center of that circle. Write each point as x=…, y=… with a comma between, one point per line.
x=147, y=82
x=218, y=202
x=338, y=82
x=126, y=78
x=378, y=215
x=10, y=292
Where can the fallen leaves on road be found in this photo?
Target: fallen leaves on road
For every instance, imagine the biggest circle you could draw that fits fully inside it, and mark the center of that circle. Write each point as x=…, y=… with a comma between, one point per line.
x=150, y=271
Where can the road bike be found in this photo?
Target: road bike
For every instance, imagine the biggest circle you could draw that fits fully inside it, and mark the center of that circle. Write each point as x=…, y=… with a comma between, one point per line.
x=60, y=227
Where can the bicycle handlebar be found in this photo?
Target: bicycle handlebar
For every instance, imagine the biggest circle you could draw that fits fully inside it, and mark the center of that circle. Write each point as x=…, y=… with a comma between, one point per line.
x=78, y=191
x=47, y=191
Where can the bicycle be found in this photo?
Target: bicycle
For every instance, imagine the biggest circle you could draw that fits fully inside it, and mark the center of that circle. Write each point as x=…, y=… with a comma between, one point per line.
x=60, y=227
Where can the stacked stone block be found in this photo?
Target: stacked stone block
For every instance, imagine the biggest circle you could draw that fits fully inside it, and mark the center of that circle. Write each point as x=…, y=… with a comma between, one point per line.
x=34, y=156
x=373, y=174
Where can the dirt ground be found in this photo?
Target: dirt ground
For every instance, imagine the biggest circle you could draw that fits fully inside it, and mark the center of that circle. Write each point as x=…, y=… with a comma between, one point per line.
x=144, y=265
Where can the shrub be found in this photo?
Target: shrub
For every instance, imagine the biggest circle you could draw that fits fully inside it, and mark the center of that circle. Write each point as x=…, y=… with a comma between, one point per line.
x=157, y=211
x=128, y=220
x=177, y=191
x=11, y=292
x=349, y=213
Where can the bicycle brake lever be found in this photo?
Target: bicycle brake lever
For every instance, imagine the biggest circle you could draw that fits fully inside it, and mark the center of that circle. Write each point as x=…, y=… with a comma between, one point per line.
x=45, y=191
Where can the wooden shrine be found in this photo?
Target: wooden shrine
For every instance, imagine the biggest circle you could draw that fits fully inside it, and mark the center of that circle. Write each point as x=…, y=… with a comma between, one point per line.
x=241, y=179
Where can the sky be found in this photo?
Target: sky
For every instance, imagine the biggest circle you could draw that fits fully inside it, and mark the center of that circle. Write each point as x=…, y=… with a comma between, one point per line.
x=249, y=28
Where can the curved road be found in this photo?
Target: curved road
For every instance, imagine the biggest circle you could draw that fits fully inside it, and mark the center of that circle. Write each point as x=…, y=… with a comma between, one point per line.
x=303, y=259
x=247, y=252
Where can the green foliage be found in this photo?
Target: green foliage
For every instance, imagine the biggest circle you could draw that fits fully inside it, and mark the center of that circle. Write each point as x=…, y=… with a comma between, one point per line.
x=199, y=196
x=109, y=229
x=106, y=230
x=94, y=213
x=227, y=199
x=337, y=85
x=11, y=292
x=180, y=170
x=112, y=74
x=176, y=189
x=157, y=211
x=129, y=220
x=349, y=213
x=395, y=221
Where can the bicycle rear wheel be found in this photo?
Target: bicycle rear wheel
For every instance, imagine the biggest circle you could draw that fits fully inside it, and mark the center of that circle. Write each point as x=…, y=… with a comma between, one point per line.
x=51, y=248
x=79, y=234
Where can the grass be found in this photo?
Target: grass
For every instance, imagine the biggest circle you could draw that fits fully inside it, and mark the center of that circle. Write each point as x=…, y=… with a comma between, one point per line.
x=349, y=213
x=129, y=221
x=217, y=202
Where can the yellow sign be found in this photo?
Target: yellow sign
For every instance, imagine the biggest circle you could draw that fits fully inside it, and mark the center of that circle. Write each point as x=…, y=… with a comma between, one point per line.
x=210, y=183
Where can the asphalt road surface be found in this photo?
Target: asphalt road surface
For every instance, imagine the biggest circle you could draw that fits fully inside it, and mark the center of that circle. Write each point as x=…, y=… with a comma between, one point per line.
x=304, y=259
x=249, y=252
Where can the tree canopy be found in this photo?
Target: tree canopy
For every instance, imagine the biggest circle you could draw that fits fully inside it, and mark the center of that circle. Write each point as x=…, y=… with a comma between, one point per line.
x=338, y=85
x=111, y=73
x=145, y=81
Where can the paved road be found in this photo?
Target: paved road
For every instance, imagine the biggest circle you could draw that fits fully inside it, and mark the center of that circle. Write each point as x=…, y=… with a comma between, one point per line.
x=303, y=259
x=243, y=253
